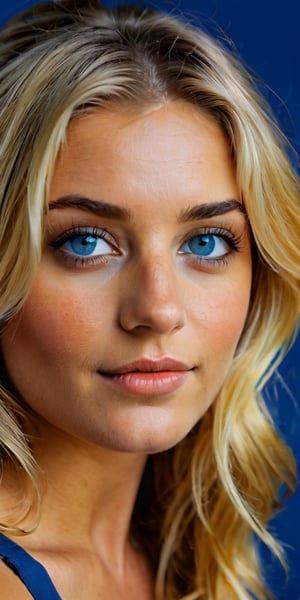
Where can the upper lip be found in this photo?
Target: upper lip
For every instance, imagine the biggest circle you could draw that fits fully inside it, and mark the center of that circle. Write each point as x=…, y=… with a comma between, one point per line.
x=148, y=365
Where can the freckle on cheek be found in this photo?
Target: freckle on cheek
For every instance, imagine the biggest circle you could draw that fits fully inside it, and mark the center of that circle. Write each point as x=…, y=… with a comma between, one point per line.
x=228, y=318
x=54, y=321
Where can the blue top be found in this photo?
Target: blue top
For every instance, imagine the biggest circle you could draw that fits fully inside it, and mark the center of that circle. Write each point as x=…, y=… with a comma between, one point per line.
x=29, y=570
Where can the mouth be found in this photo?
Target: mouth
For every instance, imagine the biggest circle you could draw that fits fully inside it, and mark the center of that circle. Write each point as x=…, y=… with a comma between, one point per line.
x=148, y=377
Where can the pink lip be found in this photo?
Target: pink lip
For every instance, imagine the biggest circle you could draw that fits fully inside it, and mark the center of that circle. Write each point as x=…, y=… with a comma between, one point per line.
x=148, y=377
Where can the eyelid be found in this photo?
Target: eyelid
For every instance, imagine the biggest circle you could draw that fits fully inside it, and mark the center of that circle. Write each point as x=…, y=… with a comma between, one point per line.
x=77, y=230
x=232, y=238
x=74, y=261
x=210, y=263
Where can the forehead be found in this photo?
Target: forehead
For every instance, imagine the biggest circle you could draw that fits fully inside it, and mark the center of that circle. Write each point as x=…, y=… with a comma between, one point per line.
x=147, y=130
x=167, y=148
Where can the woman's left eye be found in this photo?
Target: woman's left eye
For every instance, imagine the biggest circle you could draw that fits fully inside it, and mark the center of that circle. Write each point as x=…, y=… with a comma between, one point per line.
x=206, y=246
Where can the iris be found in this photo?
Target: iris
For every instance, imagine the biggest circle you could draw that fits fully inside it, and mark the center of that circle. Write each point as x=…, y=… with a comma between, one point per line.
x=202, y=244
x=84, y=245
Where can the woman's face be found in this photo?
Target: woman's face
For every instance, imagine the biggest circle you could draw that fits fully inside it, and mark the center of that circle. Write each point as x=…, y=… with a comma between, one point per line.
x=143, y=287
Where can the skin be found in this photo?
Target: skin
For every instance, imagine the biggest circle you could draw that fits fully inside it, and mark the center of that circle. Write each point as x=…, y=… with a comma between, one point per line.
x=149, y=297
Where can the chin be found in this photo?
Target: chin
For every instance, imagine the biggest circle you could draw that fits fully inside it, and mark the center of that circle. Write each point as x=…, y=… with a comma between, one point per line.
x=151, y=445
x=147, y=438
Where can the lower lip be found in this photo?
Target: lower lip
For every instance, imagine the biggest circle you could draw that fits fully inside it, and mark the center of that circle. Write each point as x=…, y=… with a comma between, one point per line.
x=149, y=384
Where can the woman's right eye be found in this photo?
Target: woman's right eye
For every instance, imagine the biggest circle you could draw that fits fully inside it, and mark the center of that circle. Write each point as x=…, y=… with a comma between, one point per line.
x=85, y=246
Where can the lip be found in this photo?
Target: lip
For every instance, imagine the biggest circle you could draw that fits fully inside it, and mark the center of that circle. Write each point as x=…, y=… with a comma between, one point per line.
x=149, y=365
x=148, y=377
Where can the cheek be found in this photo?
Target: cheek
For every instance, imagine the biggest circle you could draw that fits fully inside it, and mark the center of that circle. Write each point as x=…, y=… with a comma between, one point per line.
x=219, y=301
x=57, y=324
x=222, y=316
x=219, y=330
x=228, y=316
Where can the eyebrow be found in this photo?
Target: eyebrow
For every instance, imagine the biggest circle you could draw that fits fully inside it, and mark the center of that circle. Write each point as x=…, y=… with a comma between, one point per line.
x=209, y=210
x=113, y=211
x=98, y=207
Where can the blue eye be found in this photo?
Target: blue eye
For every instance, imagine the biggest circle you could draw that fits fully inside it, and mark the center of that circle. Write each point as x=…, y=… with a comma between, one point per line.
x=206, y=245
x=86, y=245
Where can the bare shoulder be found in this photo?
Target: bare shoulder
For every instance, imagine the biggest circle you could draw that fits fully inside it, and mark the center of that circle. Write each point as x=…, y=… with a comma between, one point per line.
x=11, y=586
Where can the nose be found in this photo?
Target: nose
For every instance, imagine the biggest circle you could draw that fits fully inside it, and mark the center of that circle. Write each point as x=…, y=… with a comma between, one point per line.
x=152, y=299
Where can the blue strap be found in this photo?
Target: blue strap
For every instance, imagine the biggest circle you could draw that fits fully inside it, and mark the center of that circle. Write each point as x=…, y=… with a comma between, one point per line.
x=30, y=571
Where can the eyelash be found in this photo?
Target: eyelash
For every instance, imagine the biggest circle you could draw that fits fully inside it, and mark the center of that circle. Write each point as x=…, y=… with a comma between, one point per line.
x=226, y=234
x=233, y=240
x=81, y=261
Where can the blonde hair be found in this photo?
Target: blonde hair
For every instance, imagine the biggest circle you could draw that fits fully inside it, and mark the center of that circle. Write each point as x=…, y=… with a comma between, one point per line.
x=220, y=485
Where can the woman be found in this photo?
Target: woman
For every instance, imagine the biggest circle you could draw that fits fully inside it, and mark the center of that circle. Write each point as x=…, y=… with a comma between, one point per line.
x=149, y=287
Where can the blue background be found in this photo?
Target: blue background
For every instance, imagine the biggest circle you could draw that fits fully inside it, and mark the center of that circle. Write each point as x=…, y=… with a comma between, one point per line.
x=266, y=34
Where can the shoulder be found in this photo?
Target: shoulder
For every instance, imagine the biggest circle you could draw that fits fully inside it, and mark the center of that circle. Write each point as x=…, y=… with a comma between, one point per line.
x=11, y=586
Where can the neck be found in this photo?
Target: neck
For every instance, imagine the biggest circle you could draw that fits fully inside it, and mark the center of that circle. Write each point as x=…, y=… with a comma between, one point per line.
x=88, y=495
